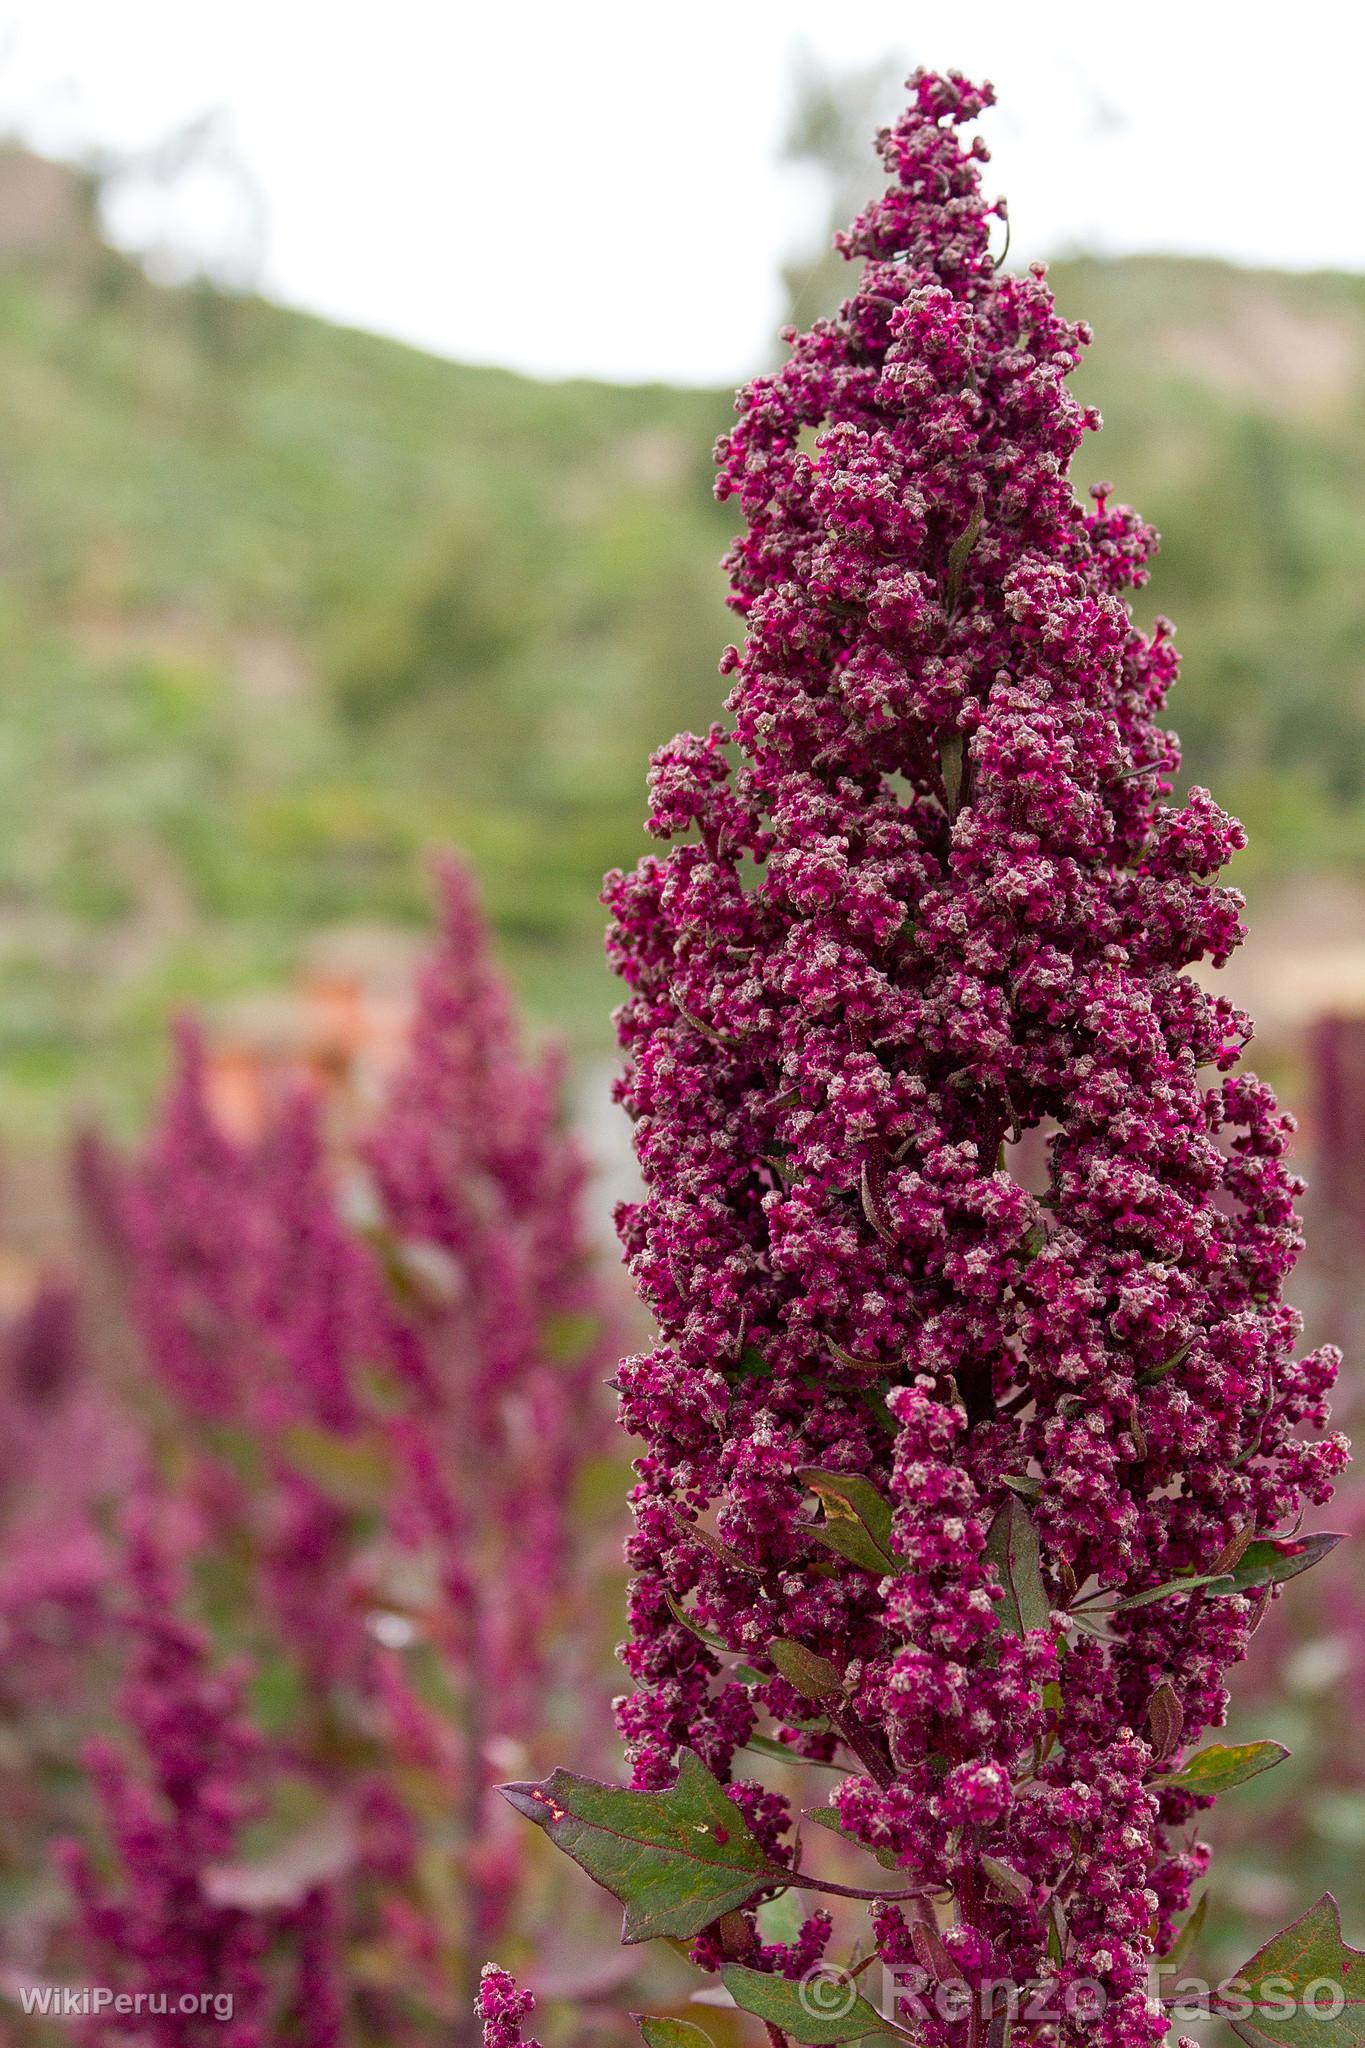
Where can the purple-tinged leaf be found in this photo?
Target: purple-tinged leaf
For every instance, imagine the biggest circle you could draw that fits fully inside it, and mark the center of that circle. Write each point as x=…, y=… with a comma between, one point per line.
x=1012, y=1547
x=1165, y=1719
x=1273, y=1560
x=1304, y=1989
x=723, y=1552
x=813, y=1676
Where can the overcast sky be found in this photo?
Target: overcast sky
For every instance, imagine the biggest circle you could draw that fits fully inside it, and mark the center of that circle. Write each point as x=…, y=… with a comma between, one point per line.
x=597, y=188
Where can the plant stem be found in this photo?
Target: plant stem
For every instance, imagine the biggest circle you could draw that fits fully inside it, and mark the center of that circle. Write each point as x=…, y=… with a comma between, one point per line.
x=805, y=1882
x=865, y=1747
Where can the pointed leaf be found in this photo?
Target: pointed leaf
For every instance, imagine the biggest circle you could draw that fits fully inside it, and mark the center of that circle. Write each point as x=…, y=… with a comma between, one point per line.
x=1304, y=1989
x=666, y=2033
x=1012, y=1547
x=1271, y=1562
x=1169, y=1587
x=783, y=1753
x=818, y=2010
x=1223, y=1765
x=857, y=1520
x=676, y=1860
x=813, y=1676
x=705, y=1635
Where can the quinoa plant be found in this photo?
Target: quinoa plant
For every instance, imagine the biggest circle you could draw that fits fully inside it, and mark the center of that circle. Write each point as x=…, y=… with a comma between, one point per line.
x=967, y=1489
x=373, y=1364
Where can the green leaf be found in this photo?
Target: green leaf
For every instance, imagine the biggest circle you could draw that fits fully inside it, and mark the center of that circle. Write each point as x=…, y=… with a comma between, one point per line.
x=1156, y=1373
x=1272, y=1561
x=1169, y=1587
x=958, y=554
x=1223, y=1765
x=784, y=1753
x=780, y=1919
x=705, y=1635
x=1023, y=1484
x=1033, y=1240
x=676, y=1860
x=826, y=1817
x=1288, y=1995
x=664, y=2033
x=813, y=1676
x=857, y=1520
x=817, y=2011
x=1012, y=1547
x=570, y=1334
x=1189, y=1933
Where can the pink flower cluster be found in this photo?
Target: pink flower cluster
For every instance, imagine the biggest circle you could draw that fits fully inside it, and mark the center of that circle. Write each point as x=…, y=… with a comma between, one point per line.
x=929, y=893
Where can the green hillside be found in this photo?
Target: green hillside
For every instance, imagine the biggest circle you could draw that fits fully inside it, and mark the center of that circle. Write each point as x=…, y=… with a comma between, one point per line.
x=283, y=604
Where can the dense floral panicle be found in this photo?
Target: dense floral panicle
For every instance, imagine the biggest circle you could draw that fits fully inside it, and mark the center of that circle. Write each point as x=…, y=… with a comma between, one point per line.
x=376, y=1359
x=174, y=1794
x=932, y=896
x=476, y=1175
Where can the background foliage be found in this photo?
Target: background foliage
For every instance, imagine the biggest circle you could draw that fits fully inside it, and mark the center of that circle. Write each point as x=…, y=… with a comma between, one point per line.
x=284, y=604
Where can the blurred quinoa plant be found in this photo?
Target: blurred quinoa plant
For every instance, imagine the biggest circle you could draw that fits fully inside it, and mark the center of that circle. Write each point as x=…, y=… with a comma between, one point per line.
x=971, y=1490
x=346, y=1573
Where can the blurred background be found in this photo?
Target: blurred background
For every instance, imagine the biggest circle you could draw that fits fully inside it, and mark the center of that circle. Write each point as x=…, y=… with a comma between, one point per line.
x=358, y=379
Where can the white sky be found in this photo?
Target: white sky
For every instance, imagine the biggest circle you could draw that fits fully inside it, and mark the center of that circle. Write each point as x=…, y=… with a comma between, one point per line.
x=588, y=186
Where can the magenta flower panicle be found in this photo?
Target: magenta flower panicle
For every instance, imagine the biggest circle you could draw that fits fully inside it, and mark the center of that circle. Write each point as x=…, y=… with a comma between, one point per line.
x=973, y=1491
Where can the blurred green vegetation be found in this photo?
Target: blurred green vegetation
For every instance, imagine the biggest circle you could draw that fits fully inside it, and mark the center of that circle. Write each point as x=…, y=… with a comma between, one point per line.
x=283, y=604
